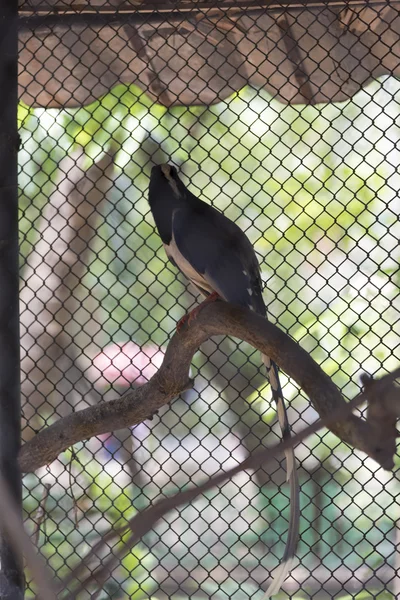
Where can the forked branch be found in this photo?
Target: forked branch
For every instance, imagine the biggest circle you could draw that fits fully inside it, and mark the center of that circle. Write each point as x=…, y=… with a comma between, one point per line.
x=376, y=435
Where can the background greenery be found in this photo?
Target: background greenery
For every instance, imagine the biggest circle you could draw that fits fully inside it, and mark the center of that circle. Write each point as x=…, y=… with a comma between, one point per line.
x=315, y=188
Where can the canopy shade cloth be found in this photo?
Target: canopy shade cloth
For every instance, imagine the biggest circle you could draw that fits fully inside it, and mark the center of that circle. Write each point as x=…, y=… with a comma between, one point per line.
x=194, y=54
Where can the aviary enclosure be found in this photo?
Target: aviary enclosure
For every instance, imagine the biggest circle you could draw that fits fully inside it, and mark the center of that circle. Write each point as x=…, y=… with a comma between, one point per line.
x=285, y=117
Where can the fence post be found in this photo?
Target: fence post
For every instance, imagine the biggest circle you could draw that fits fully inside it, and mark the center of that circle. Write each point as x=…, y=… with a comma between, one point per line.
x=11, y=572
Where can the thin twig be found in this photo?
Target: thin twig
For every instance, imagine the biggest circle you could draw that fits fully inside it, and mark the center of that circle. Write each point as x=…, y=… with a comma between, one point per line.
x=71, y=487
x=41, y=513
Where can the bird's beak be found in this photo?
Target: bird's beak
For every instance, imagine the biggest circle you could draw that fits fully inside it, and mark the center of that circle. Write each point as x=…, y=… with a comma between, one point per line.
x=167, y=172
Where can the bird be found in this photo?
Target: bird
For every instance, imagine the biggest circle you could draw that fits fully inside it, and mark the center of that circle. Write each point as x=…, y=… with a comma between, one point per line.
x=217, y=257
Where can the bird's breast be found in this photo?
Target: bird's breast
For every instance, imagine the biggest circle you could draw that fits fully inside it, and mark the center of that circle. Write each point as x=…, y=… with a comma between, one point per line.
x=185, y=267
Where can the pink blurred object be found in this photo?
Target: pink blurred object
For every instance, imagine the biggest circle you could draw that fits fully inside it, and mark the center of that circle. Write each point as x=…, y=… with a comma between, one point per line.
x=126, y=364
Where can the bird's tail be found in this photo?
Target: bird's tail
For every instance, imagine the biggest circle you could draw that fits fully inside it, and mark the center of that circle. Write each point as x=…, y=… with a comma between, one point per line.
x=291, y=476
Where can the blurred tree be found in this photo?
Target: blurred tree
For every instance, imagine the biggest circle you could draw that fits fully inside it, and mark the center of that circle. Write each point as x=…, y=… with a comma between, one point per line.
x=55, y=308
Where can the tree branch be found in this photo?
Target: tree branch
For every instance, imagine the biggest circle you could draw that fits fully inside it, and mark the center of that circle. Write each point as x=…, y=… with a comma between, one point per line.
x=219, y=318
x=382, y=391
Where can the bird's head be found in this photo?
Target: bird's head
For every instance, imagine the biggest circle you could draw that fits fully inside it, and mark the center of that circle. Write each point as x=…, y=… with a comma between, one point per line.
x=166, y=194
x=162, y=175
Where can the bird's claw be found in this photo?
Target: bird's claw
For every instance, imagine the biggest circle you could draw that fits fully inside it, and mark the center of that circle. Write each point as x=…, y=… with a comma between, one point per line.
x=189, y=317
x=151, y=417
x=181, y=323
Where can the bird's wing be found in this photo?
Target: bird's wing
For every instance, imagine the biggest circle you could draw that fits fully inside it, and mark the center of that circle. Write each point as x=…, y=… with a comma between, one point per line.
x=220, y=252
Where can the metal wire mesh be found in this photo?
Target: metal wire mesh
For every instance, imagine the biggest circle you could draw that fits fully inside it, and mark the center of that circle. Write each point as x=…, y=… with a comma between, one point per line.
x=315, y=189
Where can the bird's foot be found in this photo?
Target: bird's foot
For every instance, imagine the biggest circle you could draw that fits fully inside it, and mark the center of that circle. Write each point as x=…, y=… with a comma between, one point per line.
x=152, y=415
x=188, y=318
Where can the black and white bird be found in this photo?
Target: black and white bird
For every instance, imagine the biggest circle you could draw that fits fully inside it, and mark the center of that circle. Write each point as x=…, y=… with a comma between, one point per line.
x=218, y=258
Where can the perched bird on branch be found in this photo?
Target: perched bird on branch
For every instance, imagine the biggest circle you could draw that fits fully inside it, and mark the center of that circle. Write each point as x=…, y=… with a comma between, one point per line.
x=218, y=258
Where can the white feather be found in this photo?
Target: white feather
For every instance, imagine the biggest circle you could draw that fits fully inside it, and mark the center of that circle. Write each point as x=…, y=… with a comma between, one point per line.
x=173, y=252
x=280, y=576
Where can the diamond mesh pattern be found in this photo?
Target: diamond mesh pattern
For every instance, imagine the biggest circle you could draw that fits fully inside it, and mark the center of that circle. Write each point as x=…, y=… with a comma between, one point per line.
x=316, y=189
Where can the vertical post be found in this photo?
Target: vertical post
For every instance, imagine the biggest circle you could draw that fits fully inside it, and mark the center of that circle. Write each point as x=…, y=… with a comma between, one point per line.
x=11, y=572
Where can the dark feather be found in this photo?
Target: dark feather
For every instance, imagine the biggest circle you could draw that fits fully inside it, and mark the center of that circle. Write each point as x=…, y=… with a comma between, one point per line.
x=212, y=244
x=219, y=250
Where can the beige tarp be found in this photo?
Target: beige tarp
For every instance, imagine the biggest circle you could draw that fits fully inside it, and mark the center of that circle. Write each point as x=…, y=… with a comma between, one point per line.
x=300, y=55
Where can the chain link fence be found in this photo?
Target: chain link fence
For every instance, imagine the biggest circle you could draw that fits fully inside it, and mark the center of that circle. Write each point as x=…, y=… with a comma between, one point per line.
x=299, y=144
